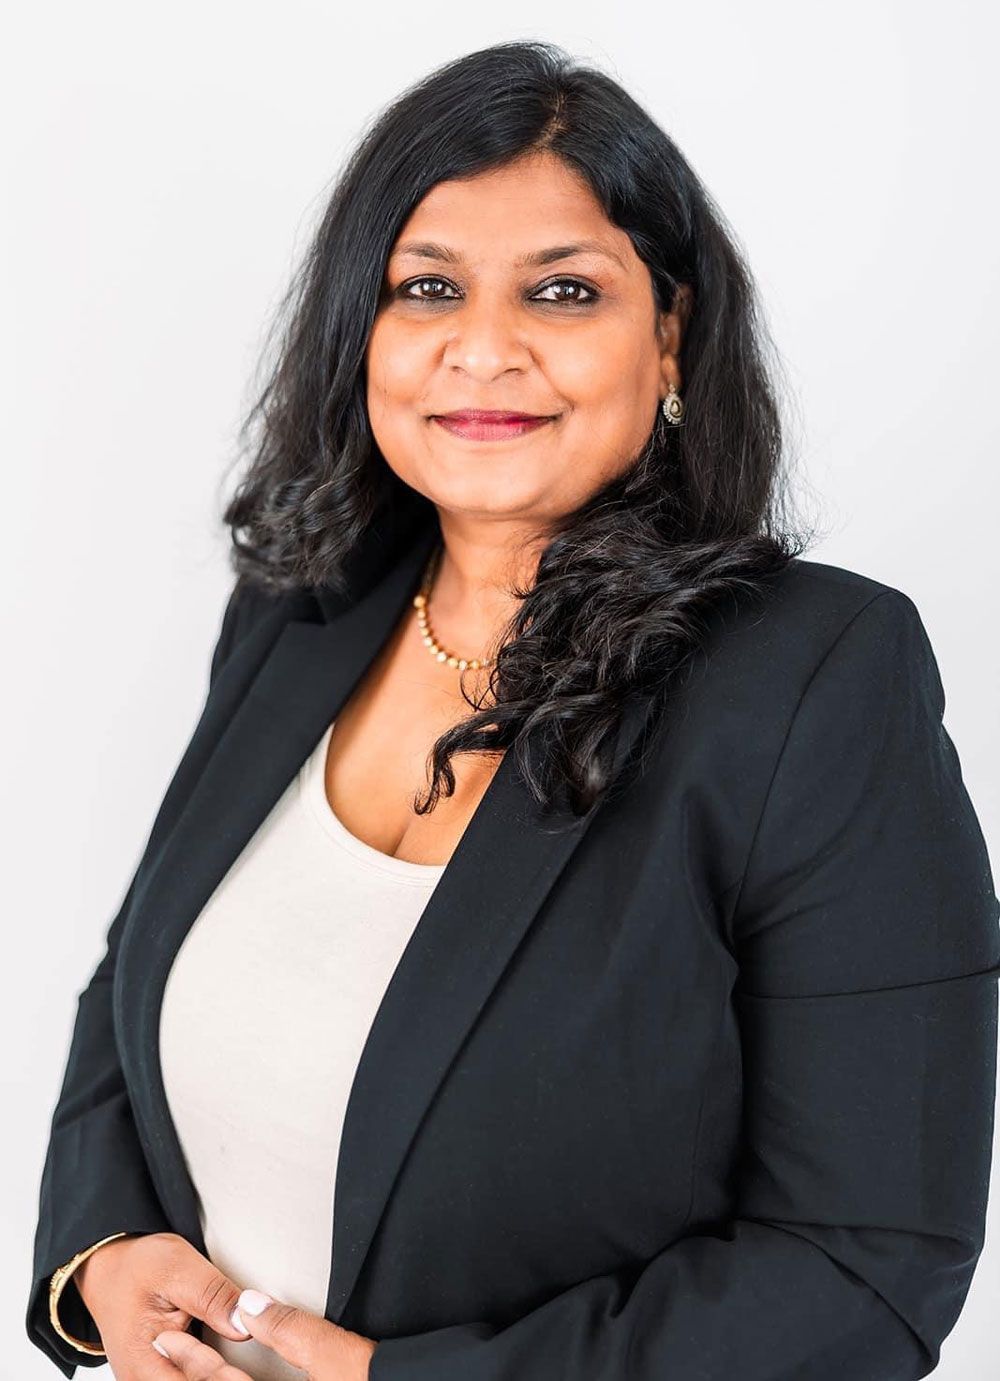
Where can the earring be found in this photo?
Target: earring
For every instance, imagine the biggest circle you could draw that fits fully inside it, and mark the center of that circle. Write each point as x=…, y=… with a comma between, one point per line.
x=672, y=406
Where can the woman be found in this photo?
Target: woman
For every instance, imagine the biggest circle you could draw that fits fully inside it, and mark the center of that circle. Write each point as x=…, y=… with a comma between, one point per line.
x=566, y=946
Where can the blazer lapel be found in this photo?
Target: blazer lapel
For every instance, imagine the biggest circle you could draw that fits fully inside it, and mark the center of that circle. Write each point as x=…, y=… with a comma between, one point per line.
x=484, y=902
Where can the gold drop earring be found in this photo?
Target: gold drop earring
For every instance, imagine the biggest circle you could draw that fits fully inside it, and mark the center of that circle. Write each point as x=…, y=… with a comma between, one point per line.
x=672, y=407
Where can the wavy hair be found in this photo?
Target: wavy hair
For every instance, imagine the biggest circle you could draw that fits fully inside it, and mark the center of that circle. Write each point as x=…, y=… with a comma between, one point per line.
x=626, y=584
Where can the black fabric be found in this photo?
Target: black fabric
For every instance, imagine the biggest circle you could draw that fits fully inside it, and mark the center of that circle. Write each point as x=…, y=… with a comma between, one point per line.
x=95, y=1180
x=700, y=1087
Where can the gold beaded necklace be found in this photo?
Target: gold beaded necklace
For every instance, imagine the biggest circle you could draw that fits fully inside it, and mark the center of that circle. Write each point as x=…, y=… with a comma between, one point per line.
x=422, y=604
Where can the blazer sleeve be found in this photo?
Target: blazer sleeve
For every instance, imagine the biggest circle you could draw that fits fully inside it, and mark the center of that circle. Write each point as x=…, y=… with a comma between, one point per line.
x=868, y=946
x=95, y=1179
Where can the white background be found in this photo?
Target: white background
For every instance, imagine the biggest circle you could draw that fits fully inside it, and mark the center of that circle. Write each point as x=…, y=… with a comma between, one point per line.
x=163, y=166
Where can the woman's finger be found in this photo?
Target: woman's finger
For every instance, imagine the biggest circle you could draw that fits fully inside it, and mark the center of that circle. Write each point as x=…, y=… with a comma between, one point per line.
x=196, y=1285
x=194, y=1359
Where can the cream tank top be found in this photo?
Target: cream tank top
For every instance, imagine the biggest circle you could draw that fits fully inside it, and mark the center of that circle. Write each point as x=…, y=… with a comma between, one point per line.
x=265, y=1012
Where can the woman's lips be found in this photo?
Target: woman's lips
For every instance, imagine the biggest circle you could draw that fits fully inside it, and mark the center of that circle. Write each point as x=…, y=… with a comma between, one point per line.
x=490, y=429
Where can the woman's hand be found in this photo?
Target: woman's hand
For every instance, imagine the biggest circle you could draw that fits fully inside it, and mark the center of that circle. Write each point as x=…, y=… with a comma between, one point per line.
x=137, y=1286
x=323, y=1350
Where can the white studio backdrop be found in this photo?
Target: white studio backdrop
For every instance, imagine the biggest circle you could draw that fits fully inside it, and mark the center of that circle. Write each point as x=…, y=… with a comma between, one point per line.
x=163, y=167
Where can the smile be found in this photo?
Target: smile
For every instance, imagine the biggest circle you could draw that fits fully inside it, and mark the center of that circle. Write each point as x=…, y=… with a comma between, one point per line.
x=490, y=429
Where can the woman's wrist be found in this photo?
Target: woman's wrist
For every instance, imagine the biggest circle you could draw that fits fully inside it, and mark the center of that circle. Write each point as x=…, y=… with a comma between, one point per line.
x=62, y=1277
x=87, y=1269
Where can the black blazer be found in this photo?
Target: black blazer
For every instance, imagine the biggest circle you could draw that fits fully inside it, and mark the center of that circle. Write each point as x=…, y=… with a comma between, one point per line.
x=699, y=1087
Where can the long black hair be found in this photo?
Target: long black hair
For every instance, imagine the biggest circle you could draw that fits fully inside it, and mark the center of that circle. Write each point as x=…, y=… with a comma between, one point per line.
x=625, y=585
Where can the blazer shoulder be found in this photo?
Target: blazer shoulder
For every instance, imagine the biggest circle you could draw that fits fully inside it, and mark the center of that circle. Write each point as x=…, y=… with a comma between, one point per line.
x=819, y=584
x=817, y=645
x=250, y=605
x=812, y=603
x=766, y=650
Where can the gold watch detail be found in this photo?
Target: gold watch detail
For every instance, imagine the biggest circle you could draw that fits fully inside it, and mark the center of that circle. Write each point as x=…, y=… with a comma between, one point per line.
x=56, y=1286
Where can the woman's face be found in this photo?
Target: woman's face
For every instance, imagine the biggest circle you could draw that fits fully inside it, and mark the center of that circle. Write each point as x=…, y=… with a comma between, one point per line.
x=467, y=321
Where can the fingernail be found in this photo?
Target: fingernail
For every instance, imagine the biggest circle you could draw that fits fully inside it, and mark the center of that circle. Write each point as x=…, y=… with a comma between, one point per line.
x=253, y=1302
x=237, y=1323
x=161, y=1350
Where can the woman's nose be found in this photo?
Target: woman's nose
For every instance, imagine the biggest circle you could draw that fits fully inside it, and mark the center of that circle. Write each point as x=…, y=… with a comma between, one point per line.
x=486, y=340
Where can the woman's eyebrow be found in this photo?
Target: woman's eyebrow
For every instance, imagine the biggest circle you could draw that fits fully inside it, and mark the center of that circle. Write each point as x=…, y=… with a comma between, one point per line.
x=428, y=249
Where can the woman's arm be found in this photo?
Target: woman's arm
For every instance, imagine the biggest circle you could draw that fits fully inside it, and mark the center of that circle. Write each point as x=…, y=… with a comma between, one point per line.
x=866, y=930
x=95, y=1180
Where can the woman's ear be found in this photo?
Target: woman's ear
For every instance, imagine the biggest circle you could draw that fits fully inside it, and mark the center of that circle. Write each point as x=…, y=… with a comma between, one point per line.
x=683, y=302
x=671, y=325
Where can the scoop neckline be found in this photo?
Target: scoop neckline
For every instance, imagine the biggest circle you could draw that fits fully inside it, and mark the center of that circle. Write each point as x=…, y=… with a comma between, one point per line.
x=312, y=782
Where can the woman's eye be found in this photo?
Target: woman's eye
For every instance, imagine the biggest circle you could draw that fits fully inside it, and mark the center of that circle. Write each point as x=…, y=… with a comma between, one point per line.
x=403, y=289
x=440, y=285
x=571, y=283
